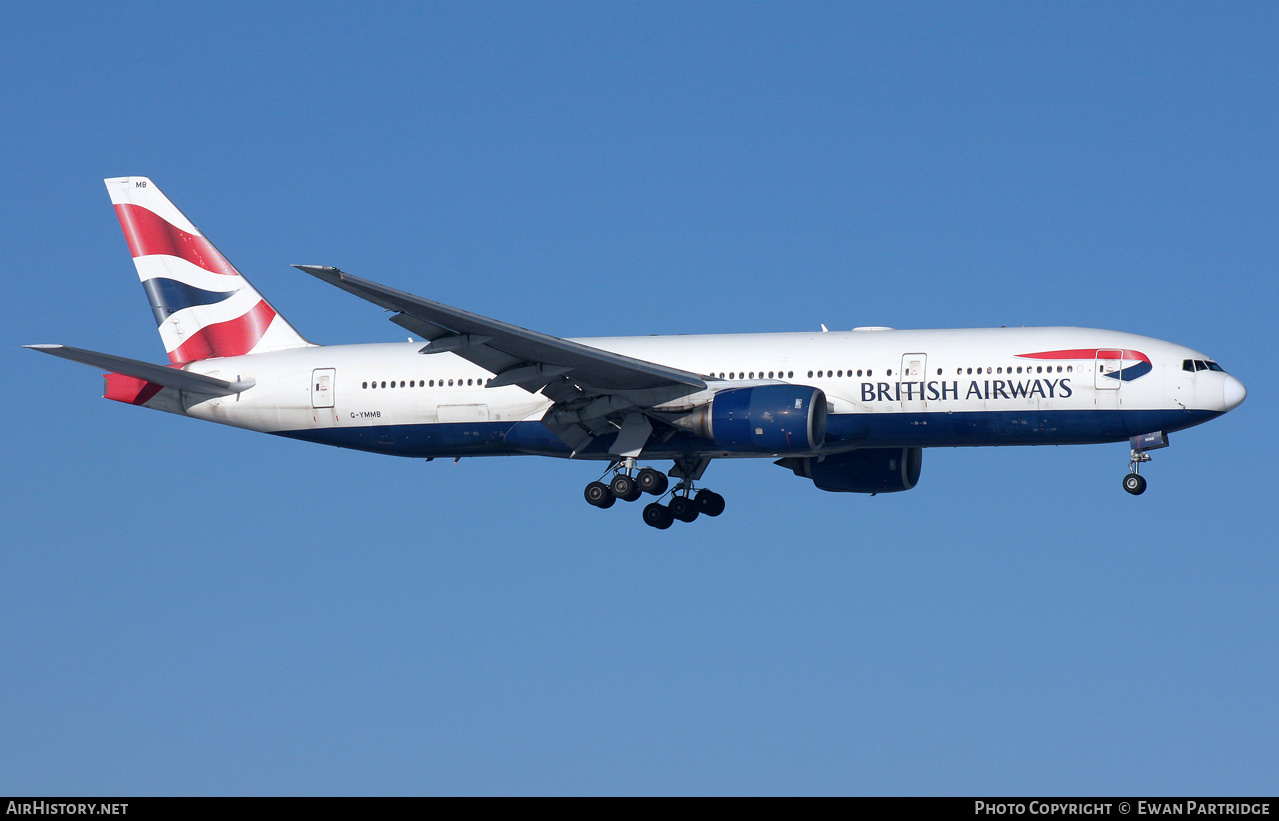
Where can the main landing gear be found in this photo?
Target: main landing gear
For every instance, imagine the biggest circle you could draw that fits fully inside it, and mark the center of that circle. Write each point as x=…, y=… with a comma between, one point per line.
x=685, y=505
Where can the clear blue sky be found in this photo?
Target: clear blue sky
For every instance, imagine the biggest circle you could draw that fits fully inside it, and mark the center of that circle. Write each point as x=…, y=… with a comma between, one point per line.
x=188, y=608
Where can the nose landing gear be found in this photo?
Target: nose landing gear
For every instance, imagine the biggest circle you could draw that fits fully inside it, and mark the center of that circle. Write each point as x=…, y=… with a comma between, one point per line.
x=1134, y=482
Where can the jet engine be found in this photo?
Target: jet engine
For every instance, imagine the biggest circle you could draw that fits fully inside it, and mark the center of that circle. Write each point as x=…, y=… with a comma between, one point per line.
x=763, y=419
x=873, y=470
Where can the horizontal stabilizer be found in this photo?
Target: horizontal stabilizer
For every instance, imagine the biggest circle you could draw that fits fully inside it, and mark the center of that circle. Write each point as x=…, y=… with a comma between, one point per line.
x=158, y=374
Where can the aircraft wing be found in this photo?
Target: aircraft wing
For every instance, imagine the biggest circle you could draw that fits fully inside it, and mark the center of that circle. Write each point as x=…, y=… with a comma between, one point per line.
x=516, y=355
x=159, y=374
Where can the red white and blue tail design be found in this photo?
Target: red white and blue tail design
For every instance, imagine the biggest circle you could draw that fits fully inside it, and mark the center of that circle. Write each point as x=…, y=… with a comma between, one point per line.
x=203, y=306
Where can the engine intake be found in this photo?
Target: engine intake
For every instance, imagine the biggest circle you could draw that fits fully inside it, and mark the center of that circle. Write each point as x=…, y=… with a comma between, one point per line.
x=873, y=470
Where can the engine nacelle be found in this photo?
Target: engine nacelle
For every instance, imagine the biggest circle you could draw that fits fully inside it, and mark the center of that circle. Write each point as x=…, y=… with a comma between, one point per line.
x=874, y=470
x=763, y=419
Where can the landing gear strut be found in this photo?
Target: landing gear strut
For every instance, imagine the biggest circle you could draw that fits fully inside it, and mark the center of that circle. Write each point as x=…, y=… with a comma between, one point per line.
x=1134, y=482
x=686, y=502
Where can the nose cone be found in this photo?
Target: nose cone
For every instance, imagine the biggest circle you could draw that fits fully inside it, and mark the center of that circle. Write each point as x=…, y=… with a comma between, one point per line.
x=1234, y=393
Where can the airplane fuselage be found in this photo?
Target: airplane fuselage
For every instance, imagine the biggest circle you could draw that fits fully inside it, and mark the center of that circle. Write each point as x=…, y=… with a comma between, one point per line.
x=884, y=388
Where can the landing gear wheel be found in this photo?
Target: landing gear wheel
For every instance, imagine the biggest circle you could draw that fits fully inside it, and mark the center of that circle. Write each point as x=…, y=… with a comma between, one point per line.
x=598, y=494
x=625, y=488
x=1135, y=484
x=709, y=502
x=658, y=515
x=683, y=508
x=651, y=481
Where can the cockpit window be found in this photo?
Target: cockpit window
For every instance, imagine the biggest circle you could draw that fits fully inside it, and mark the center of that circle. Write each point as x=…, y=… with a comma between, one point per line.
x=1193, y=365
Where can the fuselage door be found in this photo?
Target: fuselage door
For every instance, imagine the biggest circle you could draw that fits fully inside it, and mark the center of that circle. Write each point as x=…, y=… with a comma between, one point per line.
x=1108, y=362
x=322, y=380
x=913, y=377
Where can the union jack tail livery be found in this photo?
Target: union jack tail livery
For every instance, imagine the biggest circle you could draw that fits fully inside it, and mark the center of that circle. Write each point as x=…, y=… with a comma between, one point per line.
x=203, y=306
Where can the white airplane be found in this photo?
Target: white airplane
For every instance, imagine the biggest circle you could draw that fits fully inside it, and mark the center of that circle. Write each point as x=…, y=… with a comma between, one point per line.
x=852, y=411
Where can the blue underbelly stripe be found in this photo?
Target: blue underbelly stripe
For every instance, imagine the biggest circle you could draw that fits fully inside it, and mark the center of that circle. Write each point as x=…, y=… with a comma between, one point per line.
x=971, y=429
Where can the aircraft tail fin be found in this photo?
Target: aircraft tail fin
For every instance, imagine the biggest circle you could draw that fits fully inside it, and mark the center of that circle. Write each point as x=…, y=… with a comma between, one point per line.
x=203, y=306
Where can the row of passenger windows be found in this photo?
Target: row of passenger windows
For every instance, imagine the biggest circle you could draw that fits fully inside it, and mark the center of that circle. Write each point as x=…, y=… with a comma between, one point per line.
x=840, y=374
x=867, y=373
x=1193, y=365
x=426, y=383
x=1190, y=365
x=762, y=374
x=1009, y=369
x=823, y=374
